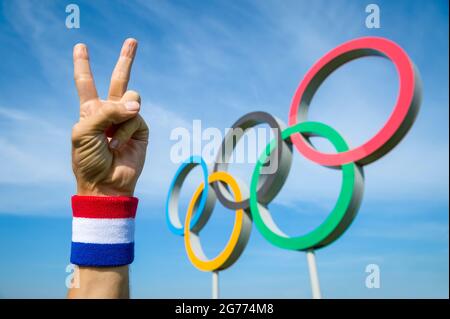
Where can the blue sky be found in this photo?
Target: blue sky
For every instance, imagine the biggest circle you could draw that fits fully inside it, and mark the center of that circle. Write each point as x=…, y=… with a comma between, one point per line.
x=215, y=61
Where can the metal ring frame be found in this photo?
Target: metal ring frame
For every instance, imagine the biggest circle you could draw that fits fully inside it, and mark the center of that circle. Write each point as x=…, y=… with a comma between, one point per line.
x=252, y=205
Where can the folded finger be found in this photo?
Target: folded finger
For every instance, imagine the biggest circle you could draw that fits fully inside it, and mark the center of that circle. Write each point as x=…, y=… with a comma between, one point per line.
x=135, y=128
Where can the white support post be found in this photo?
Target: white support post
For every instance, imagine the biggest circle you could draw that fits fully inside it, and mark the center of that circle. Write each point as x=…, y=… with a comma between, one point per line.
x=215, y=285
x=313, y=274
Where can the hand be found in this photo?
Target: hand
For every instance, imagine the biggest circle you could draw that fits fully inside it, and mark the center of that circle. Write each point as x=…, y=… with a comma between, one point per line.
x=110, y=140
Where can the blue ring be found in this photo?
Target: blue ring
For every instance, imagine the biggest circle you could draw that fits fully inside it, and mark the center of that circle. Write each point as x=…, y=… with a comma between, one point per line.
x=188, y=164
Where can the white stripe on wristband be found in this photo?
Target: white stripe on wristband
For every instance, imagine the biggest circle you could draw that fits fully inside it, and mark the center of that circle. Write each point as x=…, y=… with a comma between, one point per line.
x=103, y=230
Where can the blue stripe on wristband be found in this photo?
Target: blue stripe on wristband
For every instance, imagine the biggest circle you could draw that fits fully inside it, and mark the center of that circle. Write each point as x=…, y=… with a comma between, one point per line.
x=102, y=255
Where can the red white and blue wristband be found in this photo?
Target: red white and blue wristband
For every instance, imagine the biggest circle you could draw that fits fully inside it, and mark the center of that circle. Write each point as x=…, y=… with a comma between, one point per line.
x=103, y=230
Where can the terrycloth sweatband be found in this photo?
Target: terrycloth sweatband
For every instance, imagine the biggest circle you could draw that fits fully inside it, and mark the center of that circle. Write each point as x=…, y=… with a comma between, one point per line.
x=103, y=230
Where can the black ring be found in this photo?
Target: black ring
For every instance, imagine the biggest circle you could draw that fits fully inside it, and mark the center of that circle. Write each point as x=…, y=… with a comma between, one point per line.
x=272, y=182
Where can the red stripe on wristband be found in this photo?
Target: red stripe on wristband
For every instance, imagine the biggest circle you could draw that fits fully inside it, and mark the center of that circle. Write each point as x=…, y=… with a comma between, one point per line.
x=104, y=206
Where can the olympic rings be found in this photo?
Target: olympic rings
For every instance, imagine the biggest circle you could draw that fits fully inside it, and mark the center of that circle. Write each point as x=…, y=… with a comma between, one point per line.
x=239, y=236
x=400, y=120
x=271, y=182
x=205, y=206
x=342, y=214
x=263, y=189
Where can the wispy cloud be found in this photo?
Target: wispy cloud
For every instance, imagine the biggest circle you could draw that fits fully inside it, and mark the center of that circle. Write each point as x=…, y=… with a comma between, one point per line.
x=25, y=142
x=221, y=68
x=416, y=231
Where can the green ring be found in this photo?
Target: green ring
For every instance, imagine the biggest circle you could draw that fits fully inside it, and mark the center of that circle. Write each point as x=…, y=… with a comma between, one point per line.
x=340, y=217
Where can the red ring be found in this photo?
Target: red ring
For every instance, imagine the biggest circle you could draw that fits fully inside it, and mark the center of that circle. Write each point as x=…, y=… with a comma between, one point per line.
x=400, y=120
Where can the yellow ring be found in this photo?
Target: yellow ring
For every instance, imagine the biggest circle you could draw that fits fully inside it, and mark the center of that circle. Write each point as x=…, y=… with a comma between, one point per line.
x=218, y=262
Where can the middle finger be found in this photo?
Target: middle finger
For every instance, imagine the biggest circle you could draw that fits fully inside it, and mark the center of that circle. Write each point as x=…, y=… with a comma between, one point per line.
x=121, y=73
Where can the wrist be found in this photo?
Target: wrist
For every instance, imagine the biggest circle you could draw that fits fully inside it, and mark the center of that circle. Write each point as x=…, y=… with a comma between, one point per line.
x=103, y=230
x=84, y=189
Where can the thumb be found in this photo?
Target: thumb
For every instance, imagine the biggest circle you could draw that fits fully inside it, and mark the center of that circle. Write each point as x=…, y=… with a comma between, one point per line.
x=131, y=95
x=112, y=113
x=128, y=96
x=135, y=128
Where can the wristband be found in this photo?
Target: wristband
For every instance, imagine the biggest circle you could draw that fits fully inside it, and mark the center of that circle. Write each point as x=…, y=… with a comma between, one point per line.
x=103, y=230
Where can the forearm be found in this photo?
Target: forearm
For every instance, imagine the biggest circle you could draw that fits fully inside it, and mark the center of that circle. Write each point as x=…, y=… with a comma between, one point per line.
x=105, y=282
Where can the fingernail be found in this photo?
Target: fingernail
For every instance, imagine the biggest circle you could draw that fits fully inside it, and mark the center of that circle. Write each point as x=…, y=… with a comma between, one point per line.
x=80, y=51
x=114, y=144
x=132, y=106
x=129, y=48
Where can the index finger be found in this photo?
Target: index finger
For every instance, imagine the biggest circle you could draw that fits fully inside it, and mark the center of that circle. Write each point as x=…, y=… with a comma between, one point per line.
x=84, y=80
x=121, y=73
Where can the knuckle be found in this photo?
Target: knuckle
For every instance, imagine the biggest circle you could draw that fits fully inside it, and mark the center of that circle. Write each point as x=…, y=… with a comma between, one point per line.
x=145, y=127
x=145, y=130
x=83, y=78
x=146, y=134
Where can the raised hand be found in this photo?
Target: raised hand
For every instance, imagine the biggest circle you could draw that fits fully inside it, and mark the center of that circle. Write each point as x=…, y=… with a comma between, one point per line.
x=110, y=140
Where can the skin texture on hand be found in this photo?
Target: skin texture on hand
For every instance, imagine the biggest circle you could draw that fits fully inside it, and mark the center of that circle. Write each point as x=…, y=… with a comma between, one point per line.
x=109, y=144
x=108, y=165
